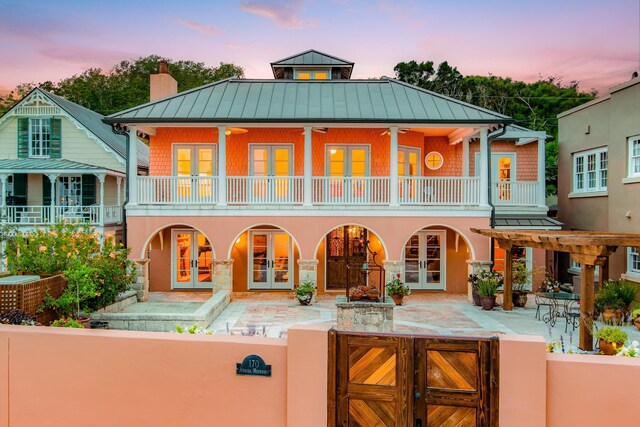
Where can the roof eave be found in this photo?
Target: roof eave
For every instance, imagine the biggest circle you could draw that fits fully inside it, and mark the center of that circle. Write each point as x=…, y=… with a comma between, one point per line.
x=133, y=120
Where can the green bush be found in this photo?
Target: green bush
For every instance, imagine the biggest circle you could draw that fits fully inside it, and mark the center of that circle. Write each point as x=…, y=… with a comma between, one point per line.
x=607, y=297
x=612, y=335
x=66, y=322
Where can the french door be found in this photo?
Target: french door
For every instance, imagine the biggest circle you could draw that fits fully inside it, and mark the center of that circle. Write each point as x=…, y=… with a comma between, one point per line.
x=347, y=163
x=503, y=172
x=266, y=164
x=270, y=260
x=425, y=260
x=195, y=162
x=192, y=260
x=408, y=167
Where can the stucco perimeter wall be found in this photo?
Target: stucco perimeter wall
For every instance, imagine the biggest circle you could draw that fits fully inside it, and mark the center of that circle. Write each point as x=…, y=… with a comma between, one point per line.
x=55, y=377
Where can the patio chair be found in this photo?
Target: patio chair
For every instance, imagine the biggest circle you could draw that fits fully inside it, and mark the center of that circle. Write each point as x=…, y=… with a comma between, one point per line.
x=540, y=302
x=572, y=316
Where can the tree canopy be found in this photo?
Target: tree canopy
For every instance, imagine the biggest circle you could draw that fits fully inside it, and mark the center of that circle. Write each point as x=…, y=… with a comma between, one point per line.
x=533, y=105
x=126, y=84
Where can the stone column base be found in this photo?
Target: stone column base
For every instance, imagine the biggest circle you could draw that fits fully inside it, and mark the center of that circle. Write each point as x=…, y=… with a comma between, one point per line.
x=364, y=316
x=476, y=267
x=222, y=275
x=141, y=285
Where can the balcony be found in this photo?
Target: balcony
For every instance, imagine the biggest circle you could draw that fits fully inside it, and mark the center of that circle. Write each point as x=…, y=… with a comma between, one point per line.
x=333, y=191
x=38, y=215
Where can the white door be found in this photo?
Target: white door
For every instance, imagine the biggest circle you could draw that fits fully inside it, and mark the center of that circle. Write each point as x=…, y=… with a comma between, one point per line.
x=503, y=172
x=192, y=161
x=425, y=260
x=270, y=260
x=408, y=167
x=266, y=163
x=192, y=260
x=351, y=162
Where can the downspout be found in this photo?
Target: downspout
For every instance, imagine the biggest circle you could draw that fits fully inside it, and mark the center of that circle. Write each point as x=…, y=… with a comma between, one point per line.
x=121, y=131
x=492, y=222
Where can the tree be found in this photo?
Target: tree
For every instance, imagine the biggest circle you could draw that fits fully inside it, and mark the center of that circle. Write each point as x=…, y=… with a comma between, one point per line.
x=126, y=84
x=532, y=105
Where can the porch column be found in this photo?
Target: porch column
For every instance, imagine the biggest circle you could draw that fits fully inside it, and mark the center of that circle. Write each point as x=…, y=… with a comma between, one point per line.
x=308, y=166
x=222, y=275
x=53, y=177
x=484, y=169
x=475, y=267
x=101, y=178
x=393, y=166
x=222, y=166
x=308, y=272
x=465, y=156
x=542, y=186
x=3, y=186
x=141, y=284
x=507, y=297
x=132, y=173
x=119, y=184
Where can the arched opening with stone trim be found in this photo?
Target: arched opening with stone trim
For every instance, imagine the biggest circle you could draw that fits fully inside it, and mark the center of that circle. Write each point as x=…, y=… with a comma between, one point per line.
x=181, y=258
x=265, y=258
x=345, y=245
x=435, y=259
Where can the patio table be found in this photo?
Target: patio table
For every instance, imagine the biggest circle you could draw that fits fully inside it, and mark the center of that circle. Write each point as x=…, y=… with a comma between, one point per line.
x=560, y=304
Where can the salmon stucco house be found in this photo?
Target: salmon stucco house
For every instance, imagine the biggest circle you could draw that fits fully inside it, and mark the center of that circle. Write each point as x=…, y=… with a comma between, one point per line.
x=263, y=184
x=60, y=161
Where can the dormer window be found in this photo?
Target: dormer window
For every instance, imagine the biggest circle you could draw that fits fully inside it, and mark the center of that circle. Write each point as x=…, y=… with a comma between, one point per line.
x=312, y=75
x=39, y=137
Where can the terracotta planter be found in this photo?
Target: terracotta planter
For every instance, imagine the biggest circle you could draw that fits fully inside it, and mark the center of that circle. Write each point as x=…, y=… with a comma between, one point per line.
x=636, y=322
x=85, y=321
x=612, y=316
x=373, y=296
x=488, y=302
x=306, y=301
x=608, y=348
x=356, y=296
x=519, y=298
x=476, y=296
x=397, y=298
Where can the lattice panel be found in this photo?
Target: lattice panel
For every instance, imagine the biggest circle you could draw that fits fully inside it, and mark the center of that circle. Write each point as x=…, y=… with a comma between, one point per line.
x=371, y=413
x=450, y=416
x=456, y=370
x=372, y=365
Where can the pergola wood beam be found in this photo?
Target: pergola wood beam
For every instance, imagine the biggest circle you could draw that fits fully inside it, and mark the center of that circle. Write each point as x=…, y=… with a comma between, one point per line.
x=507, y=298
x=586, y=306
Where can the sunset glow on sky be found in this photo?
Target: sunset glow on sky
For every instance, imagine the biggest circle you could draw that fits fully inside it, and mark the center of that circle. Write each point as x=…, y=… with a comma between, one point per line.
x=594, y=42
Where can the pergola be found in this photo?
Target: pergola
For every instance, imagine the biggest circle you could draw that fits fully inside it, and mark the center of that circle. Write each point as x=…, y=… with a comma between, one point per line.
x=589, y=248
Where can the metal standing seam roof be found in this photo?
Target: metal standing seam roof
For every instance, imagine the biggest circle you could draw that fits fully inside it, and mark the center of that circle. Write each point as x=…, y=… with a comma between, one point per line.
x=93, y=122
x=305, y=101
x=311, y=57
x=537, y=221
x=47, y=165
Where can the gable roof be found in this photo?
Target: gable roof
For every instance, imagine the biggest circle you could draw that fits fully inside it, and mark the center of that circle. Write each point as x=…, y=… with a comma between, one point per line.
x=93, y=122
x=308, y=101
x=311, y=57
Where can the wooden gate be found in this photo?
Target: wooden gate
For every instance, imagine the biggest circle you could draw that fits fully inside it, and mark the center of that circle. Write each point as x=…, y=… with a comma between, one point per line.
x=396, y=380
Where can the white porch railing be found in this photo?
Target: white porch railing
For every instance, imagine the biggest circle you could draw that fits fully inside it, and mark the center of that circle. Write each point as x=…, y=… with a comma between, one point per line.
x=439, y=191
x=265, y=190
x=516, y=193
x=33, y=215
x=168, y=190
x=370, y=190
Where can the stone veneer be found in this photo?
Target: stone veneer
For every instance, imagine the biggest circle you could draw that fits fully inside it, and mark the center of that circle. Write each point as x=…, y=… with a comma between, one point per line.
x=222, y=275
x=364, y=316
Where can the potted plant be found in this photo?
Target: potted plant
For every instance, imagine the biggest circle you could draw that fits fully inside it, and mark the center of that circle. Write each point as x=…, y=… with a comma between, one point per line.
x=373, y=293
x=474, y=279
x=487, y=287
x=627, y=292
x=304, y=292
x=355, y=293
x=608, y=302
x=635, y=316
x=610, y=339
x=397, y=289
x=519, y=279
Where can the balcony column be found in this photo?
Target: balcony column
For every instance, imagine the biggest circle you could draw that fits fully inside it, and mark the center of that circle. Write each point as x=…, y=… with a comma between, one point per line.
x=101, y=178
x=53, y=177
x=308, y=172
x=542, y=185
x=222, y=166
x=484, y=167
x=132, y=173
x=393, y=166
x=465, y=156
x=119, y=184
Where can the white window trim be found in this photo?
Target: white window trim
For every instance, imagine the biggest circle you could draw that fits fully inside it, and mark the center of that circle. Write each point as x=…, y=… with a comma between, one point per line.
x=631, y=273
x=41, y=120
x=272, y=146
x=192, y=145
x=346, y=147
x=408, y=149
x=599, y=189
x=630, y=173
x=497, y=155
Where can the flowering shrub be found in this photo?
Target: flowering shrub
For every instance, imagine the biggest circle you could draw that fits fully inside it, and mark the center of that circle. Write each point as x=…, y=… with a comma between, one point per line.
x=397, y=287
x=632, y=351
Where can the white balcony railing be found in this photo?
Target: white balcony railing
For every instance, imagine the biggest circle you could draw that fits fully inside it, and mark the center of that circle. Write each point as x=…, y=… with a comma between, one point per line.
x=170, y=190
x=516, y=193
x=439, y=191
x=345, y=191
x=34, y=215
x=370, y=190
x=267, y=190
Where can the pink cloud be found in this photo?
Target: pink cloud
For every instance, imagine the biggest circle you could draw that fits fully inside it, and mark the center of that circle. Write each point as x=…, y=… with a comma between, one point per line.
x=84, y=56
x=283, y=13
x=237, y=46
x=204, y=29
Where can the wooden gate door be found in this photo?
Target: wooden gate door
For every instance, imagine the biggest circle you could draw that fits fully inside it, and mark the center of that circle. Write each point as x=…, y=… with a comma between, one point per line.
x=396, y=380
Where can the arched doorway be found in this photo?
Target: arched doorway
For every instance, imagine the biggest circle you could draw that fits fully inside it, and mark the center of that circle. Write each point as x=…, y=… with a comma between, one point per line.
x=346, y=245
x=435, y=260
x=264, y=258
x=180, y=258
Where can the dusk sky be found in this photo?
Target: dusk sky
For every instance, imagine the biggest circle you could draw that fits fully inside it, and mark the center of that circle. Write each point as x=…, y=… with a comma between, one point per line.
x=594, y=42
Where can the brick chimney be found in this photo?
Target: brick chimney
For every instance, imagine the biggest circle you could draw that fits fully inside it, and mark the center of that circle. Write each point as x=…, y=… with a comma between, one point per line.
x=162, y=84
